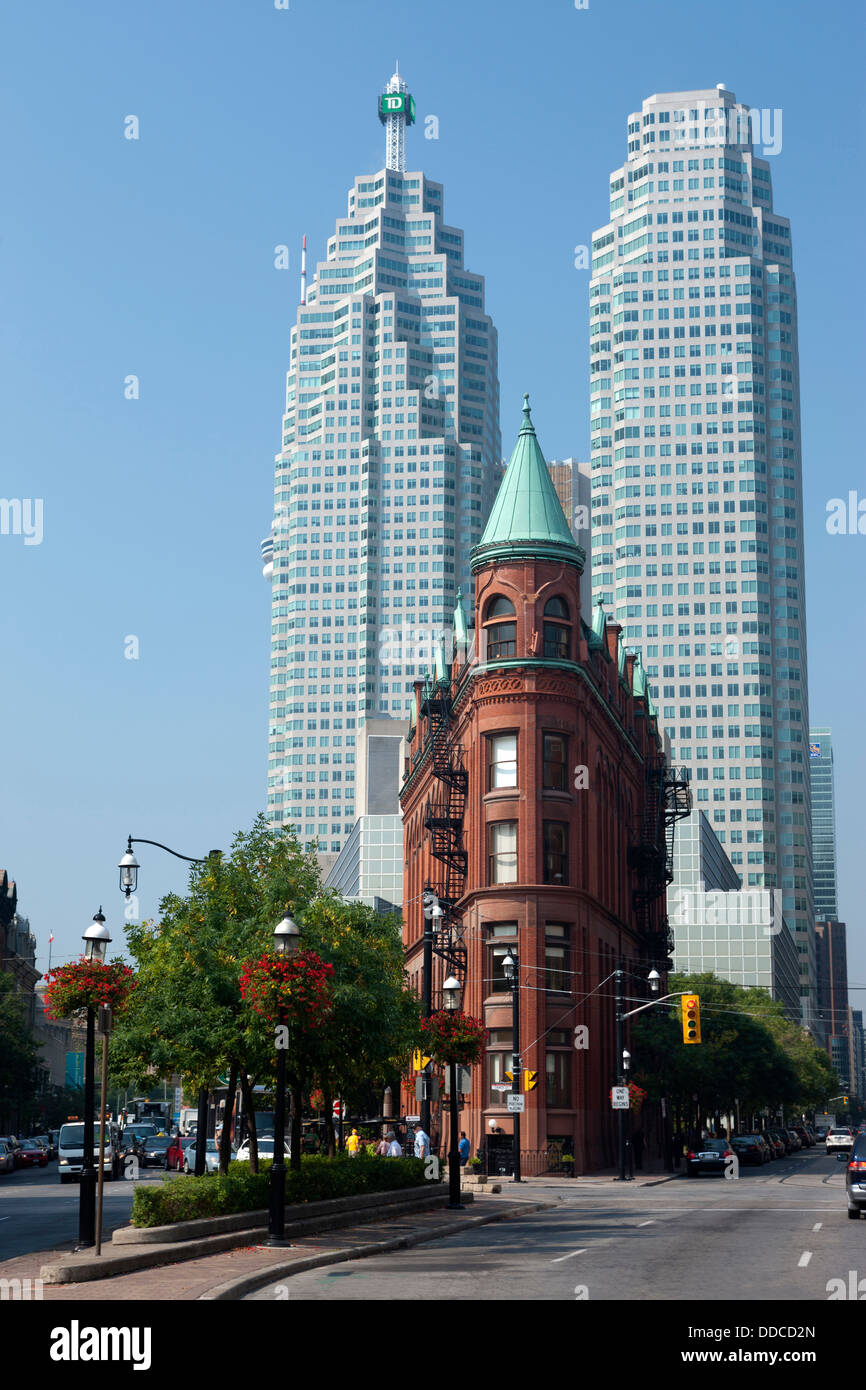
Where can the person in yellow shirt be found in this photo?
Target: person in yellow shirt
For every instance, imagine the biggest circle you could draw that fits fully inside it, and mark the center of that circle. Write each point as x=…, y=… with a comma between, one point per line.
x=353, y=1144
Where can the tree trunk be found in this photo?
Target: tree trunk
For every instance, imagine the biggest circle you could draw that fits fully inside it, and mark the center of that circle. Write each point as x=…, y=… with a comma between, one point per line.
x=226, y=1137
x=247, y=1093
x=297, y=1107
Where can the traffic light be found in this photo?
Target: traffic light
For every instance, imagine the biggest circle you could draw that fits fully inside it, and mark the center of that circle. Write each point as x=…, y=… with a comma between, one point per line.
x=691, y=1010
x=530, y=1080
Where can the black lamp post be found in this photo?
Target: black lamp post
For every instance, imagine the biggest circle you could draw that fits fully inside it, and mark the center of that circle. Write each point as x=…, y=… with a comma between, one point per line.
x=452, y=992
x=511, y=968
x=286, y=941
x=96, y=939
x=128, y=867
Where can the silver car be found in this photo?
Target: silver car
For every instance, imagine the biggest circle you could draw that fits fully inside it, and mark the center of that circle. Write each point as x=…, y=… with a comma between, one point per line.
x=7, y=1156
x=211, y=1157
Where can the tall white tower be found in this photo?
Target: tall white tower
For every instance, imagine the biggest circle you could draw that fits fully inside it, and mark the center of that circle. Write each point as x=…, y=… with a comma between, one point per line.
x=396, y=111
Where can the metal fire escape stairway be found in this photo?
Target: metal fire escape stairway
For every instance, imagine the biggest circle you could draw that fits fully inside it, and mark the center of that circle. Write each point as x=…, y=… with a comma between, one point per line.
x=443, y=817
x=668, y=798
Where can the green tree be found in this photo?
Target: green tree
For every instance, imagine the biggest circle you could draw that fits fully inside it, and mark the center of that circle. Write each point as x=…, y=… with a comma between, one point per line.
x=19, y=1057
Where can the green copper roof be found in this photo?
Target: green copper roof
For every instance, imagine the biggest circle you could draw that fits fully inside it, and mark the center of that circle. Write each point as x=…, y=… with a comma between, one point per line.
x=440, y=674
x=412, y=714
x=527, y=512
x=598, y=619
x=638, y=677
x=461, y=633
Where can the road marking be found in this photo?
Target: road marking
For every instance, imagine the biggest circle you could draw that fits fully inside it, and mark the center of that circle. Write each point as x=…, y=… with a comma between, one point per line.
x=645, y=1223
x=570, y=1256
x=804, y=1259
x=818, y=1225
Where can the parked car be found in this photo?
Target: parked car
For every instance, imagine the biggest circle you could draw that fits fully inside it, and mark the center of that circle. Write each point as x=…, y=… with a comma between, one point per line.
x=132, y=1137
x=774, y=1143
x=796, y=1141
x=805, y=1138
x=7, y=1156
x=855, y=1178
x=784, y=1139
x=265, y=1146
x=750, y=1149
x=839, y=1140
x=708, y=1156
x=49, y=1143
x=176, y=1150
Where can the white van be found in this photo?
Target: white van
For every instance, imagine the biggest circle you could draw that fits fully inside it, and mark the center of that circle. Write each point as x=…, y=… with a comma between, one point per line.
x=70, y=1150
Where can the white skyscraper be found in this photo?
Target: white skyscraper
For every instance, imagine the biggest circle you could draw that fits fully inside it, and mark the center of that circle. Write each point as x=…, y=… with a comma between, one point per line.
x=697, y=528
x=383, y=483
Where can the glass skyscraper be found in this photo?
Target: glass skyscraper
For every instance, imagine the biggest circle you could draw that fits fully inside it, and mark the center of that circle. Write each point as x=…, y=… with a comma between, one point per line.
x=383, y=483
x=823, y=824
x=697, y=530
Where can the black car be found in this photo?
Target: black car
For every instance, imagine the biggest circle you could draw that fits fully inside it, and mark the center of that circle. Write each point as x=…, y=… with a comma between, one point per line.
x=708, y=1156
x=750, y=1148
x=855, y=1178
x=152, y=1150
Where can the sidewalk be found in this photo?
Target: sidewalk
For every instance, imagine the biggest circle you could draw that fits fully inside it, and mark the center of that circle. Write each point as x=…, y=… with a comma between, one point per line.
x=234, y=1272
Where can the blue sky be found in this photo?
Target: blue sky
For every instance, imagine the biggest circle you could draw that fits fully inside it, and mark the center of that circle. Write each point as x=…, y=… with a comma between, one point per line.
x=155, y=257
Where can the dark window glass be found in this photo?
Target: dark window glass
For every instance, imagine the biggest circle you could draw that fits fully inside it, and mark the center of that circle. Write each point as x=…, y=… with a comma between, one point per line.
x=555, y=756
x=555, y=846
x=556, y=608
x=500, y=607
x=556, y=967
x=501, y=641
x=558, y=1076
x=555, y=642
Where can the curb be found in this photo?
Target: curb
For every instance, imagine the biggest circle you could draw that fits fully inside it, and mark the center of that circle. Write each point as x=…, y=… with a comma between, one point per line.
x=247, y=1283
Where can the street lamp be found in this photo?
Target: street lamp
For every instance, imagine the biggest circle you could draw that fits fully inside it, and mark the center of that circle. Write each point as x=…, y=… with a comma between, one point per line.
x=128, y=867
x=653, y=977
x=511, y=970
x=286, y=941
x=96, y=940
x=452, y=992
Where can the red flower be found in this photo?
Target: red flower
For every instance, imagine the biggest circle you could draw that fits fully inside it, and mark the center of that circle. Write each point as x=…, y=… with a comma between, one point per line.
x=86, y=984
x=299, y=986
x=454, y=1037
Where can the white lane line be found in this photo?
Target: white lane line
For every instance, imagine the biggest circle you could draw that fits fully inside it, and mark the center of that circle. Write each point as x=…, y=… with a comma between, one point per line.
x=570, y=1256
x=818, y=1225
x=804, y=1259
x=645, y=1223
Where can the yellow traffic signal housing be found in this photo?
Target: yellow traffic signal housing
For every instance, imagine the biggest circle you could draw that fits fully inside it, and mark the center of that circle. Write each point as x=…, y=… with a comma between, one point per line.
x=530, y=1080
x=419, y=1061
x=691, y=1010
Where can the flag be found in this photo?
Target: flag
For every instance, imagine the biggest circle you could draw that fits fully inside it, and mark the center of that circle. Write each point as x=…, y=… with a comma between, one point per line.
x=51, y=937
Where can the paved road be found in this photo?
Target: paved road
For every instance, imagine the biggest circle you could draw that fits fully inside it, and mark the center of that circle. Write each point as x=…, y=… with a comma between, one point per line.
x=778, y=1232
x=38, y=1212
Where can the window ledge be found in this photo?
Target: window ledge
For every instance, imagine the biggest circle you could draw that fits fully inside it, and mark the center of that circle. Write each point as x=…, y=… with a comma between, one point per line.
x=504, y=794
x=549, y=794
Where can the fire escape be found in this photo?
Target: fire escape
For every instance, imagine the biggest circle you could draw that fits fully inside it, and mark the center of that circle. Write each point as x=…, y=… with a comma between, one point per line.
x=443, y=817
x=651, y=853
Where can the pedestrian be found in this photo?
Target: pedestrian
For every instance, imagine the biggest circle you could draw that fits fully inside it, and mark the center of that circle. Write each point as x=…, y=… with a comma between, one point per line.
x=422, y=1144
x=395, y=1148
x=353, y=1144
x=382, y=1147
x=464, y=1148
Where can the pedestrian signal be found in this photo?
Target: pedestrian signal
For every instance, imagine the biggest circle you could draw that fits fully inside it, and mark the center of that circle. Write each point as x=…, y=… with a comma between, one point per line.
x=691, y=1009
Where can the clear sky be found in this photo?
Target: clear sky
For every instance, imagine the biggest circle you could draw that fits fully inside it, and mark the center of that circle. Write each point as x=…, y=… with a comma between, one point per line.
x=155, y=258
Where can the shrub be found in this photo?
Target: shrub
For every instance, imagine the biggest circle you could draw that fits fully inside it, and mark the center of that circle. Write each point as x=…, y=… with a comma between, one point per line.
x=320, y=1178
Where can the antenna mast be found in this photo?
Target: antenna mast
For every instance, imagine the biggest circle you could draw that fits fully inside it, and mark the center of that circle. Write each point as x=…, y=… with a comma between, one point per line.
x=396, y=111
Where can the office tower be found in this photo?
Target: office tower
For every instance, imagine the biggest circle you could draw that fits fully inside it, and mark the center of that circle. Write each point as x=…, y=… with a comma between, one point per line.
x=571, y=480
x=696, y=474
x=383, y=483
x=823, y=823
x=832, y=988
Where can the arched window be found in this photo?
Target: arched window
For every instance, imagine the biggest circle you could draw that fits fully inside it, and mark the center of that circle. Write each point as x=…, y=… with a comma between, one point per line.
x=501, y=637
x=557, y=634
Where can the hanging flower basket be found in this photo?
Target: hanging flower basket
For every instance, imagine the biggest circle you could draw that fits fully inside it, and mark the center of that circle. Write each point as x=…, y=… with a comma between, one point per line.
x=299, y=986
x=453, y=1037
x=85, y=984
x=636, y=1095
x=317, y=1100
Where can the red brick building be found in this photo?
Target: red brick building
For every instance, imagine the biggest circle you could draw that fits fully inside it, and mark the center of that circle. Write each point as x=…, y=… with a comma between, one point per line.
x=537, y=805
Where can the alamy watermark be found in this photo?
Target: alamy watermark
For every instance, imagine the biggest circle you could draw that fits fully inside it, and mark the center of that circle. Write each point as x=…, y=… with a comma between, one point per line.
x=22, y=516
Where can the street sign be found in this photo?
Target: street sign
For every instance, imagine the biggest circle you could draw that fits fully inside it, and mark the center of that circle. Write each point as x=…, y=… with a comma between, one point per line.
x=413, y=1119
x=419, y=1061
x=501, y=1086
x=619, y=1097
x=515, y=1104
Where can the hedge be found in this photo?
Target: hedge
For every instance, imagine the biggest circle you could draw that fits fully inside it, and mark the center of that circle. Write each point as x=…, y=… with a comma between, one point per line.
x=320, y=1178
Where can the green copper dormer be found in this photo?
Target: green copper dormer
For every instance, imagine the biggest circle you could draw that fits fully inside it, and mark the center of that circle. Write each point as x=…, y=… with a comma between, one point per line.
x=621, y=663
x=461, y=632
x=440, y=672
x=595, y=633
x=639, y=686
x=527, y=520
x=411, y=729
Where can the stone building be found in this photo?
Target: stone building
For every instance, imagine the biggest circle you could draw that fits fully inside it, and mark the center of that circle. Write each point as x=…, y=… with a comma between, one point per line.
x=537, y=806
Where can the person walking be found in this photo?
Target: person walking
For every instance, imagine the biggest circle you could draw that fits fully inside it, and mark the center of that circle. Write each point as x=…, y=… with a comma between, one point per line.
x=421, y=1146
x=395, y=1148
x=353, y=1144
x=382, y=1147
x=464, y=1148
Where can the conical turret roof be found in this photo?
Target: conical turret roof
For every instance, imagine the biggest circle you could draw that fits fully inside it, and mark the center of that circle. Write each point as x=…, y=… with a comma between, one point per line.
x=527, y=516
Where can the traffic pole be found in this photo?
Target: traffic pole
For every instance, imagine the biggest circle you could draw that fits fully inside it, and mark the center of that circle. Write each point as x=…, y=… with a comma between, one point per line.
x=516, y=1067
